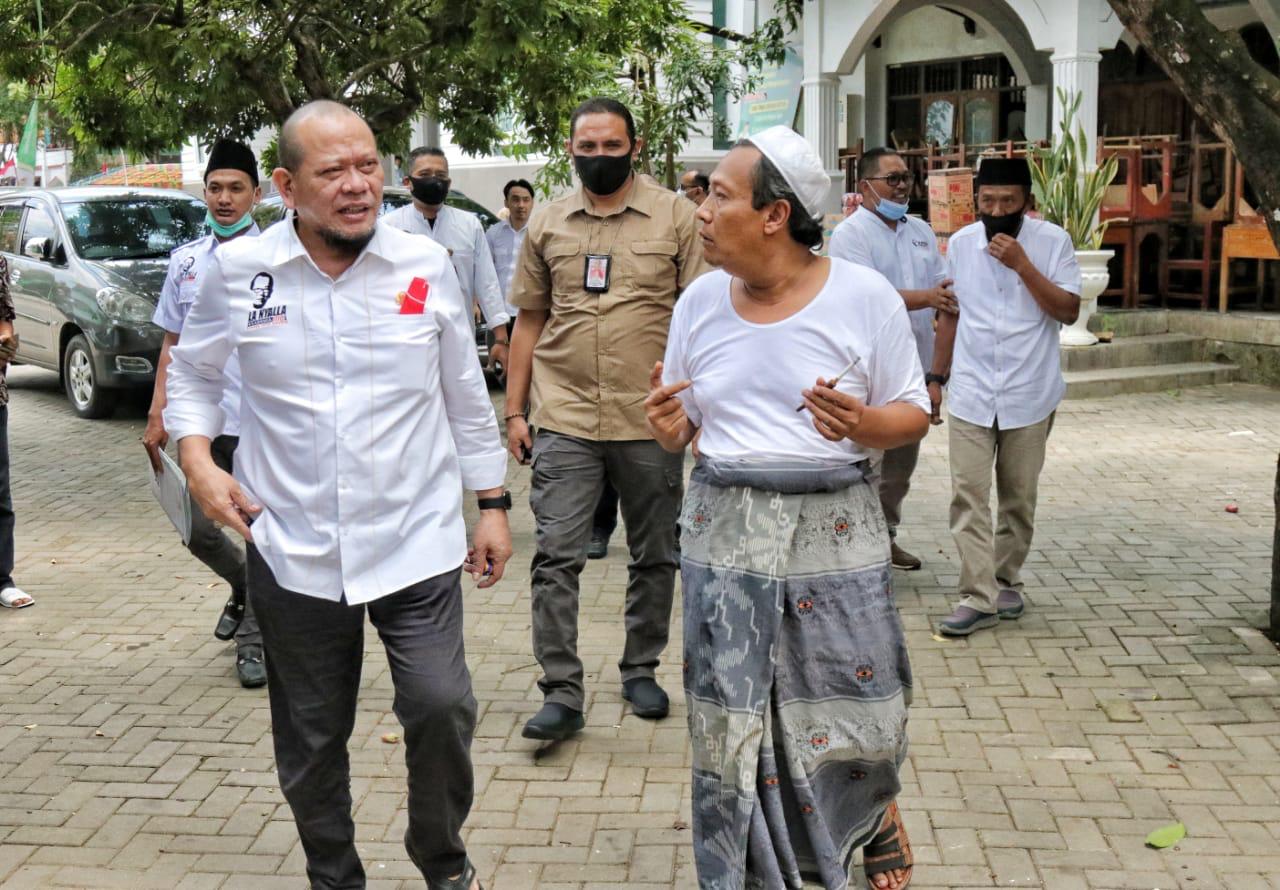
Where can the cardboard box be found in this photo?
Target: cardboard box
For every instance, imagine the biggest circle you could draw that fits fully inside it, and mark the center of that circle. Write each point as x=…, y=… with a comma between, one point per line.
x=951, y=199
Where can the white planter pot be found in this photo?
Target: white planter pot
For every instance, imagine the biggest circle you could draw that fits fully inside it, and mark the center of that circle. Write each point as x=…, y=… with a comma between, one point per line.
x=1093, y=281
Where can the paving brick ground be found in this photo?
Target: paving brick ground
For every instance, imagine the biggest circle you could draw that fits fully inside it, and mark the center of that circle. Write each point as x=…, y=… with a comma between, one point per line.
x=1137, y=691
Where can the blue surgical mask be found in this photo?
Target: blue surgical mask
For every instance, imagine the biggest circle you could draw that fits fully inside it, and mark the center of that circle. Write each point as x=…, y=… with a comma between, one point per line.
x=890, y=210
x=227, y=231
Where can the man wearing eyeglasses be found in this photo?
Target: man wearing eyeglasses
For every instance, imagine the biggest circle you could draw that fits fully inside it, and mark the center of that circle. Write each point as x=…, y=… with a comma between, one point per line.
x=904, y=250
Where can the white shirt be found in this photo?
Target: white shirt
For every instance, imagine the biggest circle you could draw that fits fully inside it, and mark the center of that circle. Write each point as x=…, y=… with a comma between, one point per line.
x=747, y=378
x=1006, y=367
x=361, y=424
x=907, y=255
x=505, y=242
x=181, y=284
x=462, y=234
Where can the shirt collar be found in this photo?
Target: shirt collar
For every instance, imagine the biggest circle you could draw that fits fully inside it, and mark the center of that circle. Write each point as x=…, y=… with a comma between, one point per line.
x=290, y=247
x=640, y=197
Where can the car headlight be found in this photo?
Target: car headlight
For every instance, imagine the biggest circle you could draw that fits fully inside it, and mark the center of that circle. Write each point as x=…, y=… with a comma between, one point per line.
x=121, y=305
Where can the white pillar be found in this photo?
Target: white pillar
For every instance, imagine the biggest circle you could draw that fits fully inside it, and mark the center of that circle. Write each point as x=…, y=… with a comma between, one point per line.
x=1077, y=72
x=822, y=117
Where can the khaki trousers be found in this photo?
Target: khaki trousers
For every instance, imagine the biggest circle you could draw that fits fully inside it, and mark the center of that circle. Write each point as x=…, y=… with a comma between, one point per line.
x=990, y=562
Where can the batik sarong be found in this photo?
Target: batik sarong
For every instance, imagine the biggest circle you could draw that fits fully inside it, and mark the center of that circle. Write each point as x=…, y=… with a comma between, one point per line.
x=796, y=672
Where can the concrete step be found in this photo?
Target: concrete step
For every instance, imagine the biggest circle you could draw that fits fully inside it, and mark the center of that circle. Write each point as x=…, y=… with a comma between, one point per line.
x=1129, y=352
x=1146, y=378
x=1130, y=322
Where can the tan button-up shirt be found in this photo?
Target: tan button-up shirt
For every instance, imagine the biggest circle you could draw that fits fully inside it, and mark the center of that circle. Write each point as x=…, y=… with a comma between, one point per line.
x=591, y=365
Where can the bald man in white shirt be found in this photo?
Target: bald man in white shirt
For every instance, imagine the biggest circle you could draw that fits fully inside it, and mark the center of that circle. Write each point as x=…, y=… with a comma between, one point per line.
x=364, y=415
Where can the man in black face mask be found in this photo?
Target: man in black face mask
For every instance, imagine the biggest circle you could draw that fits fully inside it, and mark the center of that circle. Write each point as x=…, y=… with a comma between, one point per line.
x=597, y=281
x=1017, y=283
x=458, y=231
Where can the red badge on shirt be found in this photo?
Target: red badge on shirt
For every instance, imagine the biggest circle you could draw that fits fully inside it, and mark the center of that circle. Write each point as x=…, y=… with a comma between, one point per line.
x=413, y=300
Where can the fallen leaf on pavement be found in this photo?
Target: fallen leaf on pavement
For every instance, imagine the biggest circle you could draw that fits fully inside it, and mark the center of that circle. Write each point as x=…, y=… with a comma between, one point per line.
x=391, y=737
x=1167, y=836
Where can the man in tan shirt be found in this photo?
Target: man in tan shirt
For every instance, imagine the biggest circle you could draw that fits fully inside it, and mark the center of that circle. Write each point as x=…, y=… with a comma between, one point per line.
x=597, y=280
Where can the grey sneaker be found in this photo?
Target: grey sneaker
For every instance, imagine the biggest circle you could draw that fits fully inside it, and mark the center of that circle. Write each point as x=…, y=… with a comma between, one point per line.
x=1009, y=604
x=965, y=620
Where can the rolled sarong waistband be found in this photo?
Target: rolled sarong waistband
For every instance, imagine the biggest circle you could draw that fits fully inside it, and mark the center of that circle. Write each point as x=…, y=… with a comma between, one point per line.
x=797, y=477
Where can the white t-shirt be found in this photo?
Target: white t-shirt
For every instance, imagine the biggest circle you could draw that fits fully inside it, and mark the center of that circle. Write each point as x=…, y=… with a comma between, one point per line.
x=747, y=378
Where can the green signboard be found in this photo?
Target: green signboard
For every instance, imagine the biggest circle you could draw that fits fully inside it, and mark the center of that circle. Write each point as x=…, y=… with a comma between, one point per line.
x=776, y=99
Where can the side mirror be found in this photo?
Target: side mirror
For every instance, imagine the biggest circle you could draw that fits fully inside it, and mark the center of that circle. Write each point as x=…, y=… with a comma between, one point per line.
x=36, y=249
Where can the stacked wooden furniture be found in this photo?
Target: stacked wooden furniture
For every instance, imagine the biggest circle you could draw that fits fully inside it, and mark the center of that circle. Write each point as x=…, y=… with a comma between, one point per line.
x=1139, y=205
x=1246, y=238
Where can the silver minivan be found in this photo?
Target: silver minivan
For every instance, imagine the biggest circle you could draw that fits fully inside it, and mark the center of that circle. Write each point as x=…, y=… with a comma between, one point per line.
x=85, y=270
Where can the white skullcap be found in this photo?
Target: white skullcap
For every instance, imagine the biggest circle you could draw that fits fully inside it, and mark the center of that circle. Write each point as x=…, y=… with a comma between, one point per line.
x=798, y=163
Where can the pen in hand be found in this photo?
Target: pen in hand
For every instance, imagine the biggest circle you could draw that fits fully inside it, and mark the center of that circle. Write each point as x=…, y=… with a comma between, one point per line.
x=837, y=379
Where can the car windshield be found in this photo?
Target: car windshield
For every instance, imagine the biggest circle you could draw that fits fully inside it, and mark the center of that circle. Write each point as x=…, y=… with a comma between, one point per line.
x=132, y=228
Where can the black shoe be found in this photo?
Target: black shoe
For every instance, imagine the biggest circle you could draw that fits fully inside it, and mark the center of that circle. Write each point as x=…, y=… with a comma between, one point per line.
x=554, y=722
x=250, y=667
x=646, y=697
x=599, y=546
x=461, y=882
x=229, y=620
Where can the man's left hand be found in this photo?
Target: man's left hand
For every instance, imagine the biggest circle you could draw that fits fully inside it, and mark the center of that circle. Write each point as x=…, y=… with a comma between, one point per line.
x=836, y=415
x=1008, y=251
x=491, y=543
x=498, y=355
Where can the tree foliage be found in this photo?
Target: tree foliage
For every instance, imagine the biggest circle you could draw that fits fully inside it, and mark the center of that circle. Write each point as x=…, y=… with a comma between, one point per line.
x=144, y=75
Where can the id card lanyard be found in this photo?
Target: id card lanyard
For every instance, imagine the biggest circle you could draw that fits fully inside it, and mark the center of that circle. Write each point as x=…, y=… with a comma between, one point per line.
x=597, y=267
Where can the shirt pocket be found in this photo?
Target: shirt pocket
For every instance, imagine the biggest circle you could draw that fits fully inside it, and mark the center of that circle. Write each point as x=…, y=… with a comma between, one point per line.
x=403, y=351
x=653, y=265
x=563, y=257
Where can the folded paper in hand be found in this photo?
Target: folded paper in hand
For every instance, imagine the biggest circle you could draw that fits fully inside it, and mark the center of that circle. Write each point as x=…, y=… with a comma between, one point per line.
x=170, y=489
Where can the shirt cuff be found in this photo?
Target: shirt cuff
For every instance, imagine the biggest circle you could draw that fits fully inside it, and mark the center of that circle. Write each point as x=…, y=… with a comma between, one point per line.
x=483, y=471
x=193, y=419
x=499, y=320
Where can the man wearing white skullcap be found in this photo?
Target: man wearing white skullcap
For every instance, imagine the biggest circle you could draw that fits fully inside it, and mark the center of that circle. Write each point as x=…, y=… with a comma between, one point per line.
x=791, y=368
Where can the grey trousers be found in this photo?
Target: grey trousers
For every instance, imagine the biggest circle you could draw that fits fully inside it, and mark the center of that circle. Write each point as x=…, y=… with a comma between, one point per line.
x=568, y=477
x=991, y=560
x=896, y=467
x=314, y=649
x=225, y=557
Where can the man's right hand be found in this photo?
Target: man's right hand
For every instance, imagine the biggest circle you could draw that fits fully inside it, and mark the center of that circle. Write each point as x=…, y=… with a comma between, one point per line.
x=519, y=439
x=154, y=438
x=220, y=498
x=943, y=298
x=935, y=403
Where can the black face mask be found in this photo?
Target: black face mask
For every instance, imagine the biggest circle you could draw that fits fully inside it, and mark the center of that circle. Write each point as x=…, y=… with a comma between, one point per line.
x=1009, y=224
x=430, y=190
x=603, y=174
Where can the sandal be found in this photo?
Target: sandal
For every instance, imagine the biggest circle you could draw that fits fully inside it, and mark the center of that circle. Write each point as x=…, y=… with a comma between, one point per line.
x=890, y=849
x=461, y=882
x=15, y=598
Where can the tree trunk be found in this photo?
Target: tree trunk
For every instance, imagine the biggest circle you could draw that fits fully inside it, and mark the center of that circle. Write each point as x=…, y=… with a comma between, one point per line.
x=1275, y=565
x=1233, y=94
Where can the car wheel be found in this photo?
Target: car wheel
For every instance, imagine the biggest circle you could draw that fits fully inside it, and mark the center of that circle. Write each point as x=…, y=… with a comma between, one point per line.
x=80, y=380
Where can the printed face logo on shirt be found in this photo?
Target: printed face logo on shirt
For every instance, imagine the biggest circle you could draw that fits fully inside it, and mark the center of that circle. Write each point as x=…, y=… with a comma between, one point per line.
x=185, y=270
x=263, y=286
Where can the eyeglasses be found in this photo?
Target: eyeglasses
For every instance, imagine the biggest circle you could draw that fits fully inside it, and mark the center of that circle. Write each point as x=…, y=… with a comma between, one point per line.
x=895, y=180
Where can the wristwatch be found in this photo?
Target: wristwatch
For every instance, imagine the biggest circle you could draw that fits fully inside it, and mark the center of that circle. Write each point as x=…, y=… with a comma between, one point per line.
x=940, y=379
x=503, y=502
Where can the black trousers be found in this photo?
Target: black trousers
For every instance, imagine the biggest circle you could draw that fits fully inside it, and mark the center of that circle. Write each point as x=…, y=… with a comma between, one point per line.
x=314, y=649
x=6, y=505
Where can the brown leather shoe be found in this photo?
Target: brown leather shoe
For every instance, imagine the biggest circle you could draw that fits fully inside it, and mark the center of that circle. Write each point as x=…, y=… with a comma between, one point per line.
x=902, y=559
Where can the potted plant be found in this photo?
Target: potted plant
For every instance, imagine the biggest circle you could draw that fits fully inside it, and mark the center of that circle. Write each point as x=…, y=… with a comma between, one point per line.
x=1068, y=193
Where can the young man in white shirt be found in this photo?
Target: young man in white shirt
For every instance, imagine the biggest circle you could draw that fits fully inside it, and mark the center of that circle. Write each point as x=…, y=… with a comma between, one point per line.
x=507, y=236
x=903, y=249
x=1017, y=282
x=459, y=232
x=230, y=191
x=365, y=414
